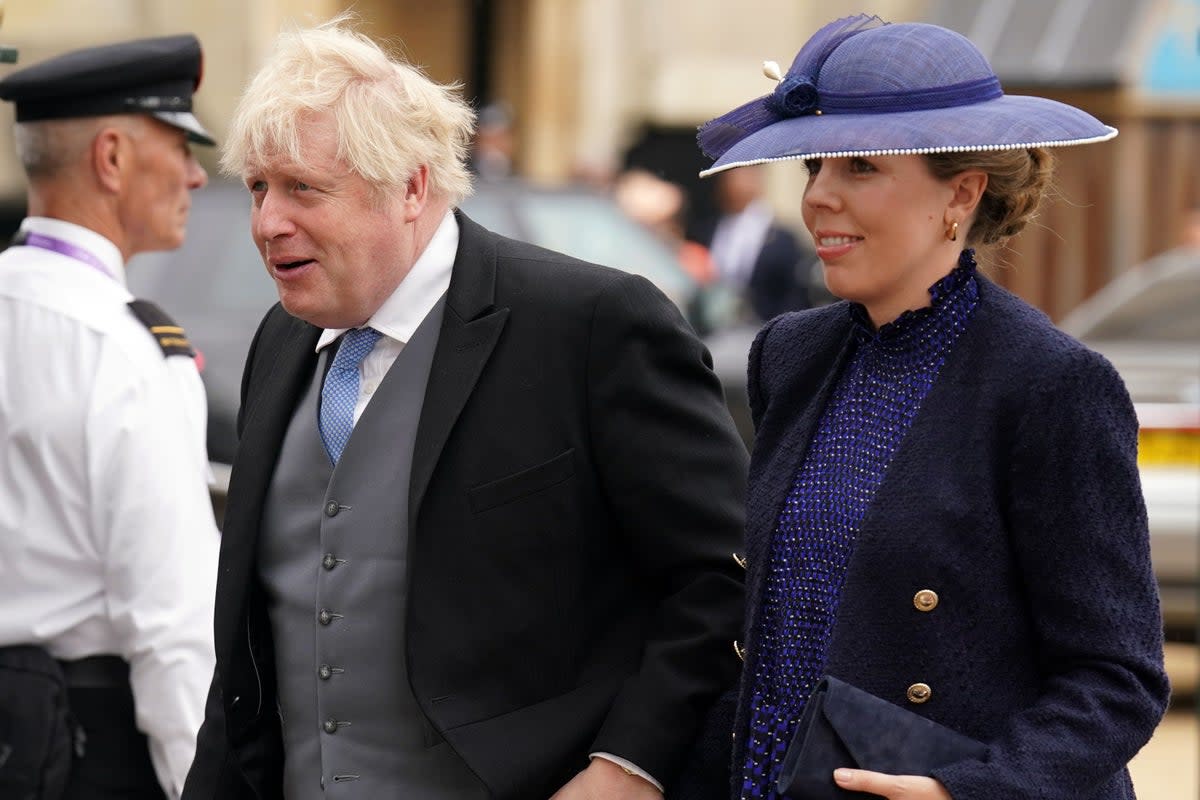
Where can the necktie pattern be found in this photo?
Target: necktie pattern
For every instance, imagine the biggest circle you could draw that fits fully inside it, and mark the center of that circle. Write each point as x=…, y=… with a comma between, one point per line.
x=339, y=395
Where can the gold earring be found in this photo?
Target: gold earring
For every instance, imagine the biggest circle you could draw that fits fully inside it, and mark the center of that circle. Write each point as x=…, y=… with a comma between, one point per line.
x=952, y=232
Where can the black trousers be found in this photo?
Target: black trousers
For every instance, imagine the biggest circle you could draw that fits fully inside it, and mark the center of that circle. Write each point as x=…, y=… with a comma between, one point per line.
x=116, y=755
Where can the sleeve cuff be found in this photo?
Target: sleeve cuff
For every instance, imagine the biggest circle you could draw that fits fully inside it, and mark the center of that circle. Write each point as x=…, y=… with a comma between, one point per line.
x=629, y=767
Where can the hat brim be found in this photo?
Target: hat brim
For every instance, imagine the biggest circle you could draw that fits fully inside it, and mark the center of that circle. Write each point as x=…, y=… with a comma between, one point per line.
x=1010, y=122
x=186, y=122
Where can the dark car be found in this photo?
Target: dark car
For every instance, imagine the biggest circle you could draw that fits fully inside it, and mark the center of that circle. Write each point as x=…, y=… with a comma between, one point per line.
x=216, y=286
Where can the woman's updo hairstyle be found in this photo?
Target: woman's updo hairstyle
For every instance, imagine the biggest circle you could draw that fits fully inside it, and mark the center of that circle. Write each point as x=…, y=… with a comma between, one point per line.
x=1017, y=182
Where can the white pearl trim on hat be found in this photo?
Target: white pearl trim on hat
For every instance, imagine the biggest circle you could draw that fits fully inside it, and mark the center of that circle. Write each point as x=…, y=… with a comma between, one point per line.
x=915, y=151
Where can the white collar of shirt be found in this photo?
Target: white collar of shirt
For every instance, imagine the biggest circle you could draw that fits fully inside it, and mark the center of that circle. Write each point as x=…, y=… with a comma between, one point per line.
x=739, y=239
x=417, y=294
x=99, y=246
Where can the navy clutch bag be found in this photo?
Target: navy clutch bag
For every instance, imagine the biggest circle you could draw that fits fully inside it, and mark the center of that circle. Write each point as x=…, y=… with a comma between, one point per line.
x=843, y=726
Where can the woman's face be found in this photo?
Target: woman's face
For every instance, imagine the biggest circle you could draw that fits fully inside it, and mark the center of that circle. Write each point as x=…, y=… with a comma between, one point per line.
x=879, y=225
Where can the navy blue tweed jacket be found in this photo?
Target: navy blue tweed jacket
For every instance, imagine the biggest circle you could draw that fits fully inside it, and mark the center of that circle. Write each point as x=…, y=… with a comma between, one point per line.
x=1015, y=498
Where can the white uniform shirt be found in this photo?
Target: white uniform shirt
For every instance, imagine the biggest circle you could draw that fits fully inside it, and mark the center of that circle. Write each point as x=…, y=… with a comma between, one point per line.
x=107, y=538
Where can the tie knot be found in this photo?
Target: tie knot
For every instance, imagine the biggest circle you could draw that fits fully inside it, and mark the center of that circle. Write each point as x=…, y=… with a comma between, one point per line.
x=356, y=344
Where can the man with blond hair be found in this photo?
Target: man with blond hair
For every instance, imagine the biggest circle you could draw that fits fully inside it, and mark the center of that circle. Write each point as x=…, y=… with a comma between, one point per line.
x=479, y=533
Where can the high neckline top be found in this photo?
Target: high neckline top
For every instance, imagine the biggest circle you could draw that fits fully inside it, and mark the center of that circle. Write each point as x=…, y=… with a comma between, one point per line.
x=900, y=333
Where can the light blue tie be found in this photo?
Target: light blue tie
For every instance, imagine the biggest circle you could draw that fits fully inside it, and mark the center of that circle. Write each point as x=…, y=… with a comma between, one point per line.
x=339, y=395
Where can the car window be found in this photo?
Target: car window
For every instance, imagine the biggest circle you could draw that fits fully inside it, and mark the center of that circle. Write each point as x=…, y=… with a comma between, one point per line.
x=583, y=224
x=1154, y=302
x=1165, y=311
x=593, y=229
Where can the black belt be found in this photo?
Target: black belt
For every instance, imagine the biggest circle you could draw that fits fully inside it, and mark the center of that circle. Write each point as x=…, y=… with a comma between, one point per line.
x=96, y=672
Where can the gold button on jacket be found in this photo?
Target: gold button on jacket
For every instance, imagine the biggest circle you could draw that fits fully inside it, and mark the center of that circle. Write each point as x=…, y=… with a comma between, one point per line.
x=925, y=600
x=919, y=693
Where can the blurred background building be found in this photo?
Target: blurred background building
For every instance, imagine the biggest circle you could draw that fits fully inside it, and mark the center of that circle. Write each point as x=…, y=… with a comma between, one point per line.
x=582, y=92
x=595, y=86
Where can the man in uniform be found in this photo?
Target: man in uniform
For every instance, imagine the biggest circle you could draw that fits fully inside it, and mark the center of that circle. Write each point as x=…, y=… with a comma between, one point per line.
x=107, y=539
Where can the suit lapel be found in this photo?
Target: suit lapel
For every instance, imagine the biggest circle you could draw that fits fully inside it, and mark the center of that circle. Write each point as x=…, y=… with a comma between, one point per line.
x=925, y=439
x=470, y=329
x=284, y=360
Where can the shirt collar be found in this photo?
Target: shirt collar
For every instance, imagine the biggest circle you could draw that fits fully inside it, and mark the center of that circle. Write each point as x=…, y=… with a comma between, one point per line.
x=99, y=246
x=417, y=294
x=756, y=211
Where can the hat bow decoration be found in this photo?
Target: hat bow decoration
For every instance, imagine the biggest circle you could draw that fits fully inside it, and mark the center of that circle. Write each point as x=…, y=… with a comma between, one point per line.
x=795, y=95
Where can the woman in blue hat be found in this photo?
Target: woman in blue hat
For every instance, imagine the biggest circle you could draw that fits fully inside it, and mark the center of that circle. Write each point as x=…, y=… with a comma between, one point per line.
x=944, y=508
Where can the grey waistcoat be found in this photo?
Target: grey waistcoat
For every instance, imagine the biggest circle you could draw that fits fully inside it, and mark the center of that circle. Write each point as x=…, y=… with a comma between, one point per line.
x=333, y=558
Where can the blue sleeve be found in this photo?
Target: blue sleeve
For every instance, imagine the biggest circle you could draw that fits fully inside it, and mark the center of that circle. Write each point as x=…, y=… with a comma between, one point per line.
x=1078, y=526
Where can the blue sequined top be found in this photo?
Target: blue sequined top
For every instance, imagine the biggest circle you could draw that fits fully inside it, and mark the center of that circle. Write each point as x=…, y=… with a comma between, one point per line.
x=887, y=377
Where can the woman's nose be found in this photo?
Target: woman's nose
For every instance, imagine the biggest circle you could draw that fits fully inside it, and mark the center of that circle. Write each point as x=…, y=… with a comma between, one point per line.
x=818, y=193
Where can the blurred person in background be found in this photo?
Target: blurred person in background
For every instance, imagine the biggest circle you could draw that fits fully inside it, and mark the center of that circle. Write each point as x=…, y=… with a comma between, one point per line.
x=479, y=528
x=495, y=143
x=944, y=507
x=754, y=254
x=108, y=544
x=659, y=205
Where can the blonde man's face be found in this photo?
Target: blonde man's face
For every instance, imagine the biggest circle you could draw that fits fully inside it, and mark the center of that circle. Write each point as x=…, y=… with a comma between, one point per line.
x=334, y=248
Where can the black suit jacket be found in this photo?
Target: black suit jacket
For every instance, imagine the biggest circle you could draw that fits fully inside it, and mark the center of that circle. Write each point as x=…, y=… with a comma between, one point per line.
x=577, y=491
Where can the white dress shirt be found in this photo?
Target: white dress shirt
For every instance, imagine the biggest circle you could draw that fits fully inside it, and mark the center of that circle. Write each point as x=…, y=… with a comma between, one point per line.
x=397, y=319
x=400, y=315
x=737, y=241
x=107, y=538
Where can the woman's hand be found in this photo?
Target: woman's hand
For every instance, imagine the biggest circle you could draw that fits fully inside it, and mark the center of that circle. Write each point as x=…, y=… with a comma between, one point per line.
x=893, y=787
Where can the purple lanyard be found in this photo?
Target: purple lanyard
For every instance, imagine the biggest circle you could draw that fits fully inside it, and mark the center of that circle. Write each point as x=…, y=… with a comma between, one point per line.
x=31, y=239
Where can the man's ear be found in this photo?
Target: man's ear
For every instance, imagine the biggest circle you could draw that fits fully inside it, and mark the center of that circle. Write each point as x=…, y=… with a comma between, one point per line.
x=416, y=193
x=968, y=187
x=109, y=153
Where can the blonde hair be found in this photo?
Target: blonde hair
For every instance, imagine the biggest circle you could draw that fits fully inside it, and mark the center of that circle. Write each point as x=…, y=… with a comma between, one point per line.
x=390, y=118
x=1017, y=182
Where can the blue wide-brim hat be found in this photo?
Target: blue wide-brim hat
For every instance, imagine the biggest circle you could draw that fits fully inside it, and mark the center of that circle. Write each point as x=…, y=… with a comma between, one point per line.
x=864, y=87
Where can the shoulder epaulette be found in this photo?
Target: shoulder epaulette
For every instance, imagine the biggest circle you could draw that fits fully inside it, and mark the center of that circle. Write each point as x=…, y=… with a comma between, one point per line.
x=170, y=337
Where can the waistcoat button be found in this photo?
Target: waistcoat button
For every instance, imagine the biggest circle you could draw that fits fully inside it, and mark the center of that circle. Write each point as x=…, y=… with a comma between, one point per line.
x=324, y=617
x=324, y=672
x=329, y=562
x=331, y=509
x=330, y=725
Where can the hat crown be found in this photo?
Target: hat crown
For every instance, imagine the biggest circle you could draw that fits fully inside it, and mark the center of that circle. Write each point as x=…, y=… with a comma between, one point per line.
x=902, y=57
